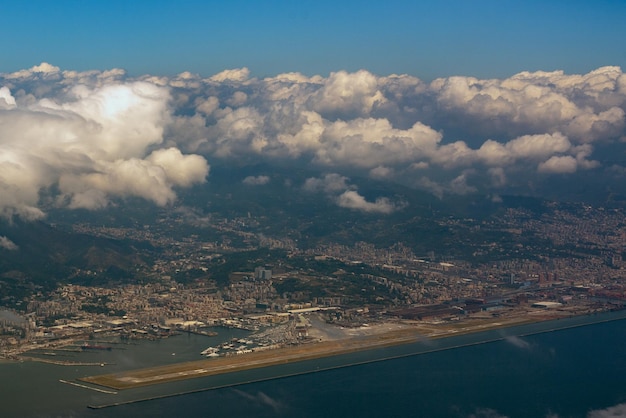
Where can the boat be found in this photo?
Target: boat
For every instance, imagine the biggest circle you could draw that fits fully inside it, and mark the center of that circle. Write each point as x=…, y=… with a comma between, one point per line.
x=88, y=346
x=209, y=351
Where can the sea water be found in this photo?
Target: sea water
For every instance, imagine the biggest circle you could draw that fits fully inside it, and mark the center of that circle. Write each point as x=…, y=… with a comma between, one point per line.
x=526, y=371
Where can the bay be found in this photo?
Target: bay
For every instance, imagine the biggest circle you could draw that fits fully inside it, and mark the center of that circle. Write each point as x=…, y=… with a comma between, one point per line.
x=519, y=372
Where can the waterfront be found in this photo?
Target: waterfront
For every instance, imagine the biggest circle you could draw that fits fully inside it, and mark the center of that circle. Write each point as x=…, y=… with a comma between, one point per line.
x=32, y=388
x=515, y=376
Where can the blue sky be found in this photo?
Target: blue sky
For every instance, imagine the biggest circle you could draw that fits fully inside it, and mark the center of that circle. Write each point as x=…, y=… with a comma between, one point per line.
x=426, y=39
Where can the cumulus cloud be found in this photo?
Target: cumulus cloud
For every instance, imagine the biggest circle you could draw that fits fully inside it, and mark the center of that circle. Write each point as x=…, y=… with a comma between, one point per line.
x=207, y=105
x=393, y=126
x=559, y=164
x=432, y=186
x=7, y=101
x=180, y=170
x=7, y=244
x=459, y=185
x=353, y=200
x=368, y=143
x=330, y=183
x=613, y=411
x=347, y=95
x=584, y=107
x=239, y=74
x=88, y=133
x=337, y=188
x=90, y=136
x=237, y=99
x=151, y=178
x=256, y=180
x=381, y=172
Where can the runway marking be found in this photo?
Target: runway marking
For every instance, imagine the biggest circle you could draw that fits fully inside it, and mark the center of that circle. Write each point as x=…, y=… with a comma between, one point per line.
x=110, y=392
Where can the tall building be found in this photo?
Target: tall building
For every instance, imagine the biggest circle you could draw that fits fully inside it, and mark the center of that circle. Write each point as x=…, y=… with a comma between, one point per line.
x=261, y=273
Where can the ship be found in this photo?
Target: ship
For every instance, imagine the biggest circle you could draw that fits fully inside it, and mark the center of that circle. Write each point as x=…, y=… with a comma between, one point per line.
x=88, y=346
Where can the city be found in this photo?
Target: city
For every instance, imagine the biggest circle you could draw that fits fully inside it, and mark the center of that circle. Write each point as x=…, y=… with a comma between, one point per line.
x=566, y=262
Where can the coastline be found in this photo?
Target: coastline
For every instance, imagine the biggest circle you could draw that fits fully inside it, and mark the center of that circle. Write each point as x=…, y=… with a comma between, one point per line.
x=204, y=368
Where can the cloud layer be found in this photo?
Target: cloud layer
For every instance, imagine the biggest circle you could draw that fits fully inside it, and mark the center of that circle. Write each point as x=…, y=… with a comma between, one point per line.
x=452, y=135
x=90, y=137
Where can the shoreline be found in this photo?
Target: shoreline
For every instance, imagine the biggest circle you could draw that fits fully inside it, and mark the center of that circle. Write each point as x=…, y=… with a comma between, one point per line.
x=377, y=360
x=306, y=352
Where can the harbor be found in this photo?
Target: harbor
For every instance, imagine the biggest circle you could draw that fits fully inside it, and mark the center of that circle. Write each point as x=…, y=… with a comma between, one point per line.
x=478, y=334
x=43, y=378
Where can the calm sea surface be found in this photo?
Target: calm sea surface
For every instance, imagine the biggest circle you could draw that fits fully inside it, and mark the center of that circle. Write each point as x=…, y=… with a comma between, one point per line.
x=579, y=371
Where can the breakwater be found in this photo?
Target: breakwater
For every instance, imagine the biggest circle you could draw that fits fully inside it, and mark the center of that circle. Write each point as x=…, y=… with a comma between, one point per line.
x=64, y=362
x=416, y=349
x=67, y=382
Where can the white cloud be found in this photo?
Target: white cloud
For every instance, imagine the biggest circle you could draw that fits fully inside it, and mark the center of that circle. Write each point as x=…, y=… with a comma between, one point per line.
x=498, y=176
x=125, y=178
x=538, y=146
x=7, y=101
x=256, y=181
x=456, y=154
x=236, y=75
x=91, y=140
x=347, y=95
x=67, y=127
x=381, y=172
x=151, y=178
x=207, y=106
x=353, y=200
x=306, y=139
x=459, y=185
x=584, y=107
x=368, y=143
x=528, y=147
x=359, y=120
x=42, y=69
x=7, y=244
x=431, y=186
x=186, y=80
x=238, y=132
x=336, y=187
x=330, y=183
x=180, y=170
x=610, y=412
x=237, y=99
x=590, y=127
x=559, y=165
x=421, y=165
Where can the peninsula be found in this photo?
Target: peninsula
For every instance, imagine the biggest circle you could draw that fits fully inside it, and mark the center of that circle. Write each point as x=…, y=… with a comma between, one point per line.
x=358, y=339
